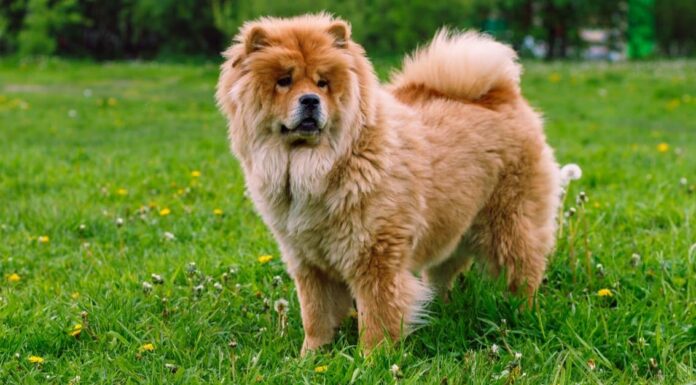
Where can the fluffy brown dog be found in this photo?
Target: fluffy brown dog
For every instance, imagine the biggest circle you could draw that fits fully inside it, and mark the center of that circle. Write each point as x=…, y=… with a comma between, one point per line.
x=364, y=185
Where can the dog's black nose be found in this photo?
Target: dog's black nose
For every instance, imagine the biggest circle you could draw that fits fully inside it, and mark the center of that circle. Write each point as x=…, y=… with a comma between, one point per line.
x=309, y=100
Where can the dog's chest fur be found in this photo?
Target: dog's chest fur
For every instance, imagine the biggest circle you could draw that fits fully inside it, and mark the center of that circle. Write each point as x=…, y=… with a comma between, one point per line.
x=314, y=216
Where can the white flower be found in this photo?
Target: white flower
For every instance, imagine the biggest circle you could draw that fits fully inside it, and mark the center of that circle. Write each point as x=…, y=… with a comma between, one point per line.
x=518, y=356
x=395, y=370
x=169, y=236
x=119, y=221
x=157, y=279
x=570, y=172
x=495, y=349
x=147, y=287
x=281, y=306
x=218, y=286
x=683, y=181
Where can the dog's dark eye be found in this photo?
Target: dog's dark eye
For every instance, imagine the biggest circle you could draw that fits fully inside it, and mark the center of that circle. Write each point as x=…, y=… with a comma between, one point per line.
x=284, y=81
x=322, y=83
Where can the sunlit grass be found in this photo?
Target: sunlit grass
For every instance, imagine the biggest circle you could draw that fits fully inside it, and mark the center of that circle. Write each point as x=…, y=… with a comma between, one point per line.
x=123, y=212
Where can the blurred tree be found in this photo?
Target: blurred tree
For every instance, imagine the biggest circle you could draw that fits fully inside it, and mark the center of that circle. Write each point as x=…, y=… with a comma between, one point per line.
x=42, y=21
x=676, y=34
x=12, y=14
x=641, y=28
x=147, y=28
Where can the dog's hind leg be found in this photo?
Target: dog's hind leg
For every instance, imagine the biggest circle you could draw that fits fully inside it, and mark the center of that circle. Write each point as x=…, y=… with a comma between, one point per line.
x=520, y=225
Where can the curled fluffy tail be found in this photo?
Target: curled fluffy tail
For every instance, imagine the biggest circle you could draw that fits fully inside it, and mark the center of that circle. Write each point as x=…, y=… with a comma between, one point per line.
x=465, y=65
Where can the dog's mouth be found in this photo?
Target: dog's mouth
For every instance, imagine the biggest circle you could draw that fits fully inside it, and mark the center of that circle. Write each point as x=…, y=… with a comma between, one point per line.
x=306, y=127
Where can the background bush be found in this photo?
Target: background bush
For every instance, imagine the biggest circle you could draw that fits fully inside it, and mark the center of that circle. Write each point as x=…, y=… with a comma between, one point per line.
x=117, y=29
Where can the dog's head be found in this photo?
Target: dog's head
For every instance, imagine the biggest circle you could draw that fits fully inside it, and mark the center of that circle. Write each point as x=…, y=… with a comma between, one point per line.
x=298, y=81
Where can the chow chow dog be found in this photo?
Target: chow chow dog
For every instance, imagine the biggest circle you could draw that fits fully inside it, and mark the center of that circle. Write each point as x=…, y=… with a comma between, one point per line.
x=382, y=194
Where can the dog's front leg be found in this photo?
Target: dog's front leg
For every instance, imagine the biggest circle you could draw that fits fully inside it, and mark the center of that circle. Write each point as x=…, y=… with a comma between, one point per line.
x=389, y=300
x=324, y=301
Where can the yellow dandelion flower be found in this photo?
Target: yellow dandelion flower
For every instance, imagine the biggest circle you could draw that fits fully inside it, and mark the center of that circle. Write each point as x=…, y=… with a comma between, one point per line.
x=195, y=174
x=265, y=259
x=605, y=293
x=43, y=239
x=597, y=205
x=147, y=347
x=14, y=277
x=122, y=192
x=321, y=369
x=673, y=104
x=76, y=330
x=554, y=77
x=217, y=212
x=663, y=147
x=111, y=102
x=75, y=295
x=165, y=211
x=36, y=359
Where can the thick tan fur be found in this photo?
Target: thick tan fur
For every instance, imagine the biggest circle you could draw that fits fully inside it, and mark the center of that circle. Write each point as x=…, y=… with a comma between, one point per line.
x=446, y=163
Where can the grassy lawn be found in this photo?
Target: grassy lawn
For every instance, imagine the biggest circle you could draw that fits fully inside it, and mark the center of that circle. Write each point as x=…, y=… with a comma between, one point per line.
x=111, y=173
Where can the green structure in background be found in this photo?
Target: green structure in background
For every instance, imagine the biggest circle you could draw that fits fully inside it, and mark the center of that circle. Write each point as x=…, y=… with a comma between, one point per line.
x=641, y=28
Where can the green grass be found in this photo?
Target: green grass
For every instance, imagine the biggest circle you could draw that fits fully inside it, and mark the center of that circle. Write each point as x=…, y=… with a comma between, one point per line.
x=74, y=133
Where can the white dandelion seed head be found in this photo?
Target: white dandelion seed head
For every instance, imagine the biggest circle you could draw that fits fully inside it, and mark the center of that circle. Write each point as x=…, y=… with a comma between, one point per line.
x=147, y=287
x=683, y=181
x=169, y=236
x=394, y=369
x=119, y=221
x=218, y=286
x=495, y=348
x=570, y=172
x=281, y=306
x=157, y=279
x=518, y=355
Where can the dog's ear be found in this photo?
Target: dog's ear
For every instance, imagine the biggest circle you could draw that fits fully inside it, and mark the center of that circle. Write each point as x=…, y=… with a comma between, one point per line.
x=234, y=54
x=256, y=39
x=340, y=31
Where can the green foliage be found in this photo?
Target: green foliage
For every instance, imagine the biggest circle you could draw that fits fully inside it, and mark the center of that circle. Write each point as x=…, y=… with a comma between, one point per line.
x=641, y=28
x=676, y=20
x=11, y=16
x=43, y=22
x=87, y=144
x=147, y=28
